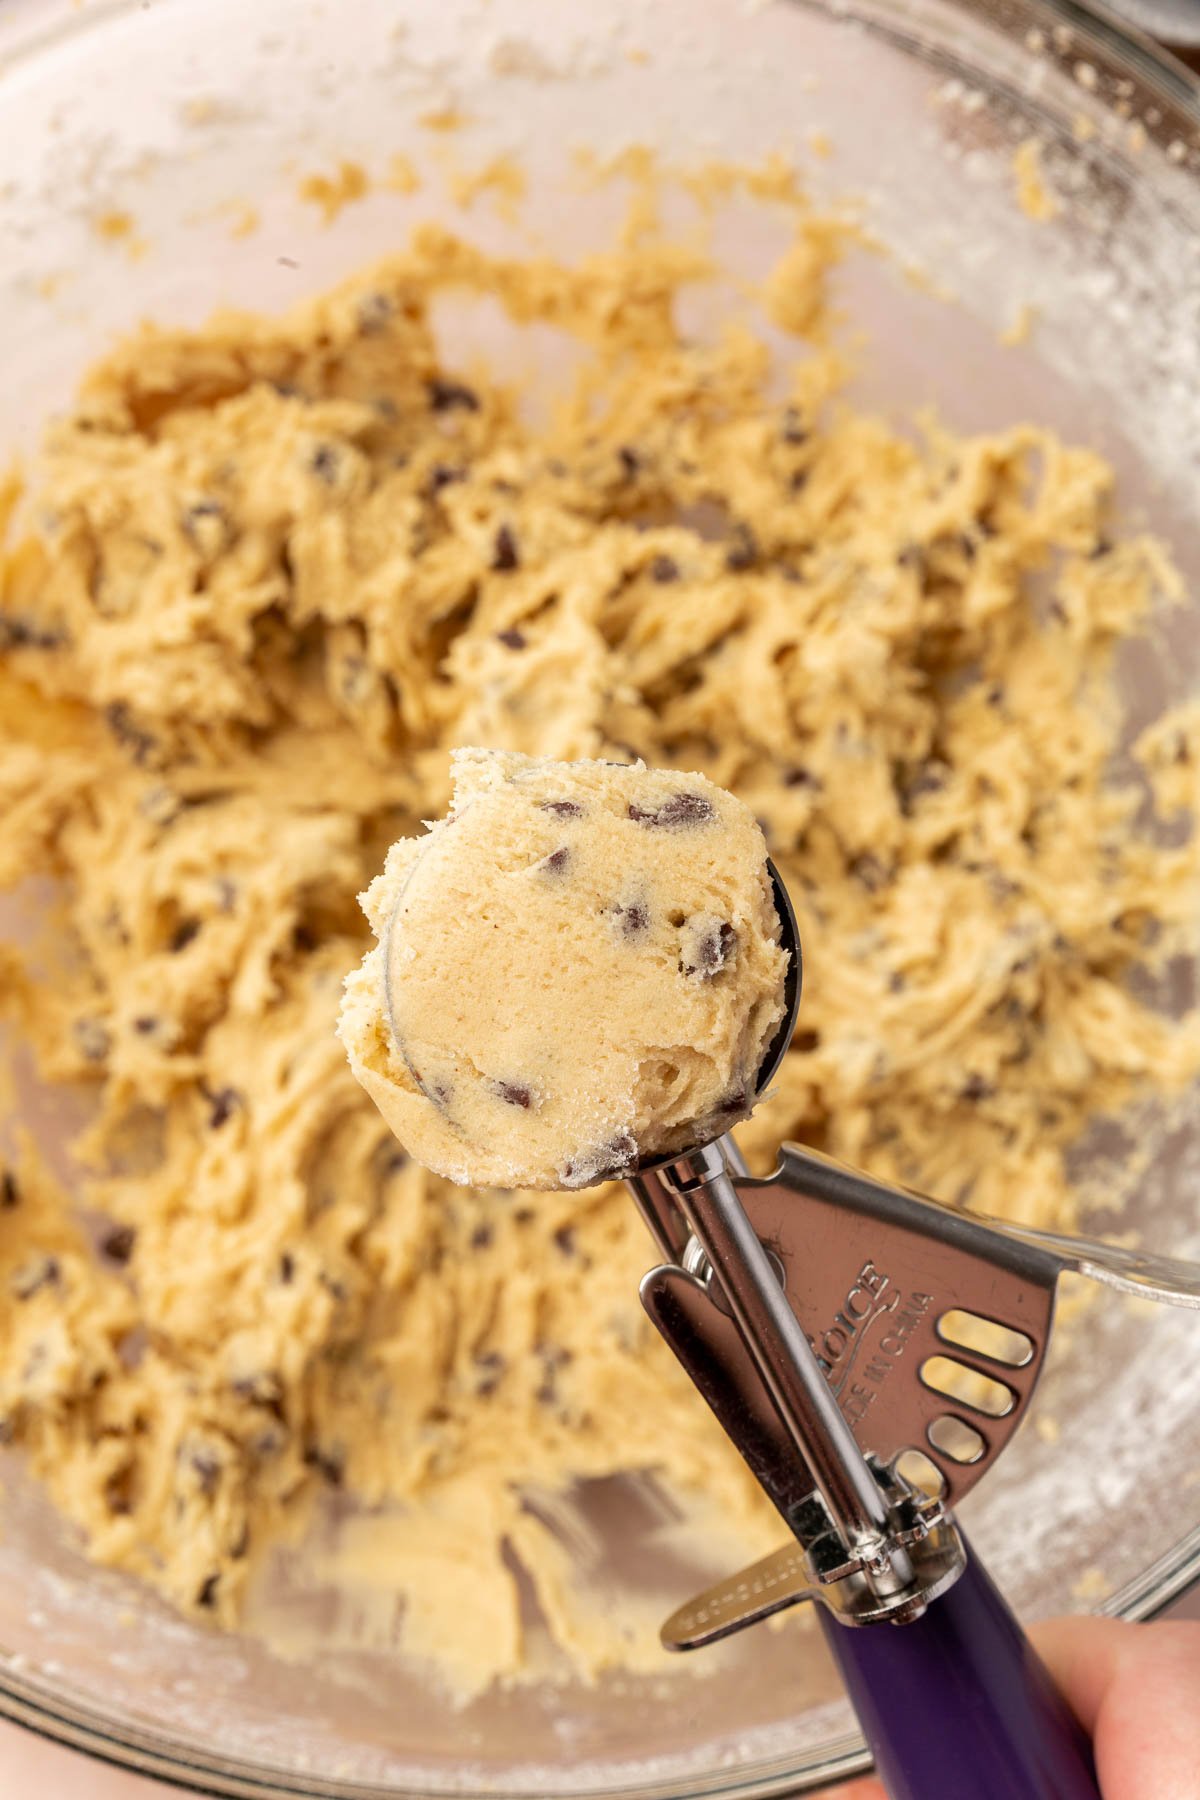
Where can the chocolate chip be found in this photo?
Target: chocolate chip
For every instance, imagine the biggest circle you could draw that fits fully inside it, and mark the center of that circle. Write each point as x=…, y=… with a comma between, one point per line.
x=553, y=1358
x=633, y=917
x=564, y=1239
x=184, y=933
x=118, y=1492
x=631, y=462
x=145, y=1024
x=264, y=1389
x=513, y=1093
x=21, y=634
x=268, y=1442
x=734, y=1102
x=374, y=313
x=326, y=463
x=128, y=733
x=793, y=430
x=441, y=475
x=1102, y=547
x=445, y=396
x=221, y=1104
x=681, y=810
x=512, y=639
x=355, y=679
x=33, y=1276
x=564, y=809
x=871, y=871
x=995, y=695
x=205, y=524
x=118, y=1243
x=10, y=1193
x=664, y=569
x=914, y=784
x=207, y=1595
x=491, y=1365
x=743, y=551
x=287, y=1268
x=505, y=555
x=482, y=1236
x=329, y=1464
x=806, y=1041
x=207, y=1470
x=556, y=862
x=976, y=1087
x=609, y=1161
x=799, y=777
x=618, y=1155
x=92, y=1038
x=710, y=948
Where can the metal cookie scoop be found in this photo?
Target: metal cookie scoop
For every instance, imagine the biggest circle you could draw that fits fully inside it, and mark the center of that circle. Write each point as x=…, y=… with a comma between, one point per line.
x=836, y=1326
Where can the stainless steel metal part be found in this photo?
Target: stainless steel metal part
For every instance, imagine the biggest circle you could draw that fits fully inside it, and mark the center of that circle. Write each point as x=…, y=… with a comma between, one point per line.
x=927, y=1329
x=879, y=1550
x=771, y=1332
x=785, y=1578
x=834, y=1323
x=1138, y=1272
x=876, y=1274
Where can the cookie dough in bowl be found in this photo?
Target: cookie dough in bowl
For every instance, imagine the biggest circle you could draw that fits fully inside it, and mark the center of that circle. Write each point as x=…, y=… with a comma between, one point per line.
x=579, y=967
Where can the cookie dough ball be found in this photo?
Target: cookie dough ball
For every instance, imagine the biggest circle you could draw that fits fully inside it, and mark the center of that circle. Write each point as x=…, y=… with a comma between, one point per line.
x=578, y=968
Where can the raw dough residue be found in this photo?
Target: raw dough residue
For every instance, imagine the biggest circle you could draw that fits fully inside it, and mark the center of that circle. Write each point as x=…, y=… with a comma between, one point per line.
x=577, y=969
x=273, y=571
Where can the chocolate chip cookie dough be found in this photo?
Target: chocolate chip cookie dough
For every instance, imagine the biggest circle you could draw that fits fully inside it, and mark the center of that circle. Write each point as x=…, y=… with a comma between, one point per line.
x=270, y=573
x=577, y=968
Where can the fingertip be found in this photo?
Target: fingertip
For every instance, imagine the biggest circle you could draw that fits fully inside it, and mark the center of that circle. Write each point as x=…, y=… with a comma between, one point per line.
x=1148, y=1733
x=1083, y=1656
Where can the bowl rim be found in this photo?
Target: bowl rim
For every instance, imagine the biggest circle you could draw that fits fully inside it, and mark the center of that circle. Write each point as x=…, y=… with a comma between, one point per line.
x=158, y=1757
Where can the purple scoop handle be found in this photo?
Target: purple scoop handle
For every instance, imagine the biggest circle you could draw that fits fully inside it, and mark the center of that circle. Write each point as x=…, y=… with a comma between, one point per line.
x=959, y=1706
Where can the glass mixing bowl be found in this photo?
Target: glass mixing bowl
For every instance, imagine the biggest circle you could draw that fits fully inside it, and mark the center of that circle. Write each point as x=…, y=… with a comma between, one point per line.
x=137, y=134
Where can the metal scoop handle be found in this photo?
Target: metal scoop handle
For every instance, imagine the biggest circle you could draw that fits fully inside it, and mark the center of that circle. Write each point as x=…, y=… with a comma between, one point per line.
x=1171, y=1279
x=951, y=1696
